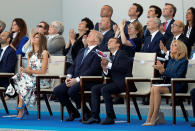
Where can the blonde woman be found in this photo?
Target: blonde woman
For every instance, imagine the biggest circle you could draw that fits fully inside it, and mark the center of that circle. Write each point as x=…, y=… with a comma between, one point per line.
x=176, y=68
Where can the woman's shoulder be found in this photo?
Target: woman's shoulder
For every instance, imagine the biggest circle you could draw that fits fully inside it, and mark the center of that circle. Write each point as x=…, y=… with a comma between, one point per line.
x=45, y=53
x=25, y=38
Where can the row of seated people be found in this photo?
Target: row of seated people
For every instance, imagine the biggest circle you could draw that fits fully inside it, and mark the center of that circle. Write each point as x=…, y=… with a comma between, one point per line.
x=87, y=63
x=131, y=34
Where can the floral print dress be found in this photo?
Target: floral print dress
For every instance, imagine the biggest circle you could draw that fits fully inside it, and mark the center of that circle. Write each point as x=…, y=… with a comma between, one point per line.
x=25, y=84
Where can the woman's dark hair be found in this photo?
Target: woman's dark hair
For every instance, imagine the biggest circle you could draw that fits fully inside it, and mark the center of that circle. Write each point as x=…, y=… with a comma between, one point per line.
x=89, y=24
x=42, y=45
x=23, y=31
x=193, y=15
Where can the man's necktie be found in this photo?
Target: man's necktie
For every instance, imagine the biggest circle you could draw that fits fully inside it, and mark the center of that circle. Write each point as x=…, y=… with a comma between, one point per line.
x=85, y=53
x=112, y=58
x=165, y=26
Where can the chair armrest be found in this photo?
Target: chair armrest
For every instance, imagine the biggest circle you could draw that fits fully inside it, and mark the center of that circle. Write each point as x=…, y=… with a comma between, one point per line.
x=46, y=76
x=2, y=75
x=156, y=79
x=106, y=80
x=137, y=79
x=189, y=80
x=84, y=79
x=91, y=78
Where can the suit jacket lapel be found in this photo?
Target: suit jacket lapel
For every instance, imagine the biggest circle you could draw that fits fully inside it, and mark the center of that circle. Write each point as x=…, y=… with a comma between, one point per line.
x=87, y=55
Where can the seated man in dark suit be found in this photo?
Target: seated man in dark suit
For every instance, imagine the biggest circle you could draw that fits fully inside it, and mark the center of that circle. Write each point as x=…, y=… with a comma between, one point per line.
x=152, y=41
x=8, y=58
x=87, y=63
x=120, y=68
x=193, y=104
x=177, y=30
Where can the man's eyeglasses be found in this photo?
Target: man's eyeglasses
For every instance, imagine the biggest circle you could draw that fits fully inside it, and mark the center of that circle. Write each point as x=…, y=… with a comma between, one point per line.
x=40, y=26
x=175, y=25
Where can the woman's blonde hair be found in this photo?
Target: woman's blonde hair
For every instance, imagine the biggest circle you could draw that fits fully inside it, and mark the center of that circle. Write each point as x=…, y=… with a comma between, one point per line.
x=182, y=50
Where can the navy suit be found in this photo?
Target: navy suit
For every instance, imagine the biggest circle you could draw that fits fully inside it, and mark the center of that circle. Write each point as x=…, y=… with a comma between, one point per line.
x=90, y=66
x=121, y=68
x=7, y=64
x=184, y=39
x=152, y=46
x=104, y=45
x=177, y=69
x=168, y=32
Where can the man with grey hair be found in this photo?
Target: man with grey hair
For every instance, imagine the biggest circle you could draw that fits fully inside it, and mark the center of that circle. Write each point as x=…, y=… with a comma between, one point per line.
x=2, y=26
x=55, y=41
x=87, y=63
x=152, y=41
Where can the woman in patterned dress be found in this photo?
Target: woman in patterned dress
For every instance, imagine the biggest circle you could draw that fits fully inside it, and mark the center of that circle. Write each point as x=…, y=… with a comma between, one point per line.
x=24, y=82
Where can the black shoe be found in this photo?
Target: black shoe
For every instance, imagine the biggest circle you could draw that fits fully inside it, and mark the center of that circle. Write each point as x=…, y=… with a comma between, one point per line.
x=192, y=124
x=72, y=116
x=91, y=121
x=86, y=117
x=118, y=100
x=107, y=121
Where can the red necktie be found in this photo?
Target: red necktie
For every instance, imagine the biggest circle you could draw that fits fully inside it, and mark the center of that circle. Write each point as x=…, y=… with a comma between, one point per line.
x=165, y=25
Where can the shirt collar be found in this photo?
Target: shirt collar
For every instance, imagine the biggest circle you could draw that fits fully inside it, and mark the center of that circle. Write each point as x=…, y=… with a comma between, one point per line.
x=132, y=20
x=153, y=34
x=176, y=37
x=52, y=36
x=4, y=48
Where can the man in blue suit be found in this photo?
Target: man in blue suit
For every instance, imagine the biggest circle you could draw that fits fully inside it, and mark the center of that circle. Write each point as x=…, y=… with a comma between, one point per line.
x=8, y=58
x=104, y=26
x=152, y=41
x=87, y=63
x=168, y=13
x=135, y=11
x=117, y=70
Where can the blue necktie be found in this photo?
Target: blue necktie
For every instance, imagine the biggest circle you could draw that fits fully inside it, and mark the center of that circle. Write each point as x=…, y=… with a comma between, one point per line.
x=85, y=53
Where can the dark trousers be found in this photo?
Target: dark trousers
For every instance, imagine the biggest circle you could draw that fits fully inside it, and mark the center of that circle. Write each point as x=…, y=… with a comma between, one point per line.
x=64, y=94
x=193, y=100
x=106, y=90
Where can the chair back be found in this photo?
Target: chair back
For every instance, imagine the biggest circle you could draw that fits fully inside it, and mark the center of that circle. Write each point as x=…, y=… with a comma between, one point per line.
x=191, y=74
x=56, y=65
x=18, y=63
x=143, y=67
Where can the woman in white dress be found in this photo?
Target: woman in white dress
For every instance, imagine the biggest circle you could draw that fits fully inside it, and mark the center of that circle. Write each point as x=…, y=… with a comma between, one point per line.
x=24, y=82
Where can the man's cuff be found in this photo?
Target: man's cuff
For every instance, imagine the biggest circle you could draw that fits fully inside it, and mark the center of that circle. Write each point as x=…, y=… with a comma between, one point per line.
x=109, y=66
x=77, y=79
x=105, y=72
x=69, y=76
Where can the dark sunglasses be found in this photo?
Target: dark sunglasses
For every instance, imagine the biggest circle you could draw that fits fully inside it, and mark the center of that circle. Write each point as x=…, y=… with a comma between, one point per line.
x=40, y=26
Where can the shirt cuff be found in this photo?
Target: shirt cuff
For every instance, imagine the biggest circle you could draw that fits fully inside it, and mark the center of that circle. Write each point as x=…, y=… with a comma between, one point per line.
x=105, y=72
x=167, y=55
x=77, y=79
x=162, y=52
x=69, y=76
x=109, y=66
